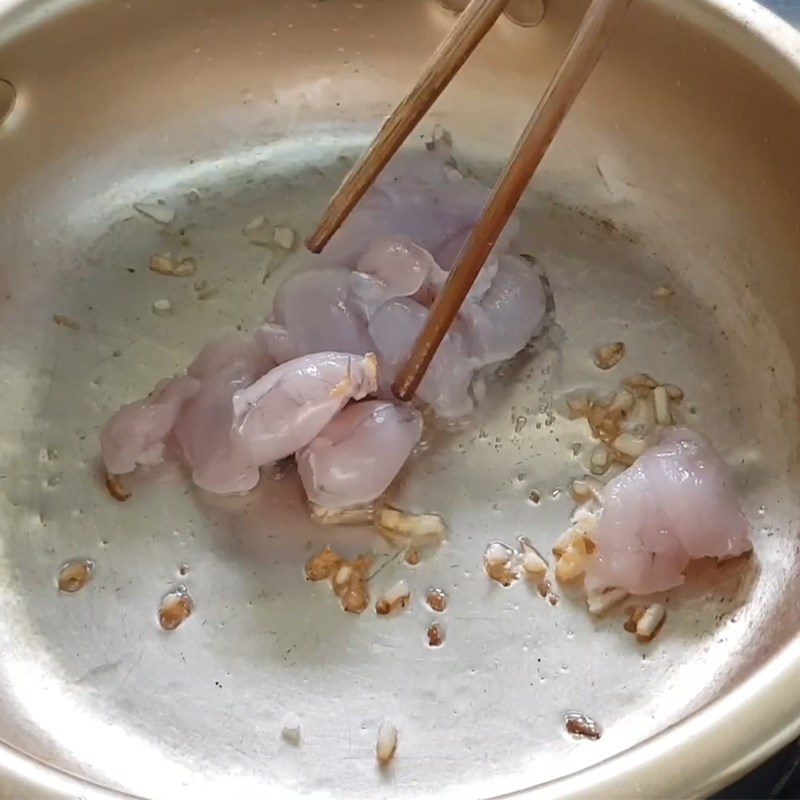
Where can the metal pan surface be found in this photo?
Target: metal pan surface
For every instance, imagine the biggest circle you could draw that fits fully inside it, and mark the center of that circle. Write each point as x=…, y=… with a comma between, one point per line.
x=679, y=167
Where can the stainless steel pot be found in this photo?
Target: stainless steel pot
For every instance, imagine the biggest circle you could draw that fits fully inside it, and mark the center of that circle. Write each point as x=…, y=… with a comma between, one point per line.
x=679, y=167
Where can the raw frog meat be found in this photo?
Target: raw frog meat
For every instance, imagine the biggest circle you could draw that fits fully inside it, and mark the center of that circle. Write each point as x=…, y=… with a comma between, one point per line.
x=676, y=503
x=246, y=403
x=292, y=403
x=373, y=287
x=137, y=433
x=203, y=430
x=357, y=455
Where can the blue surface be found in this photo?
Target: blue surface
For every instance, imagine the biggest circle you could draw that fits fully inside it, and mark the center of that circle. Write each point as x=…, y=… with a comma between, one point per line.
x=788, y=9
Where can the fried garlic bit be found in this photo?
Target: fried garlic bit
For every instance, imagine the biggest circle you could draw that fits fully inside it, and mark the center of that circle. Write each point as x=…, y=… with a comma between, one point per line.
x=386, y=746
x=663, y=293
x=116, y=488
x=175, y=608
x=323, y=565
x=500, y=562
x=532, y=561
x=644, y=622
x=582, y=727
x=435, y=635
x=575, y=547
x=609, y=355
x=436, y=600
x=600, y=602
x=627, y=424
x=406, y=528
x=348, y=579
x=166, y=264
x=397, y=597
x=355, y=515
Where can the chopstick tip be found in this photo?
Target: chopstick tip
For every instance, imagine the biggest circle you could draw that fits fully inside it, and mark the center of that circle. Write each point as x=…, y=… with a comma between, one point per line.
x=315, y=243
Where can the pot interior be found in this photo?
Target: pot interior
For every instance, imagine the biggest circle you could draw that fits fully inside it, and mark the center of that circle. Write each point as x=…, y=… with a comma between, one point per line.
x=677, y=171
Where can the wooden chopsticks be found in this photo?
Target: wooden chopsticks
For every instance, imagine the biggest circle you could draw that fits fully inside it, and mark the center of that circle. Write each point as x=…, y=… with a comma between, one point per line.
x=472, y=25
x=584, y=51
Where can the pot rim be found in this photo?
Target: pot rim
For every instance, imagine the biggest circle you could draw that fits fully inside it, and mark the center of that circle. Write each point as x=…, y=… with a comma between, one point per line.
x=702, y=752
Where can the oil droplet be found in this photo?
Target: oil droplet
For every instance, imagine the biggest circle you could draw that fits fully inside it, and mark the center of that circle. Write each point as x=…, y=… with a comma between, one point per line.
x=176, y=607
x=75, y=574
x=762, y=510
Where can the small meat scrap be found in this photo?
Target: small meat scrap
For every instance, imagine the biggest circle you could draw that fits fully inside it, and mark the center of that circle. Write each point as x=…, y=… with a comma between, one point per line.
x=175, y=608
x=116, y=488
x=645, y=622
x=435, y=634
x=165, y=264
x=397, y=597
x=386, y=746
x=75, y=574
x=66, y=322
x=436, y=600
x=500, y=562
x=413, y=557
x=582, y=727
x=609, y=355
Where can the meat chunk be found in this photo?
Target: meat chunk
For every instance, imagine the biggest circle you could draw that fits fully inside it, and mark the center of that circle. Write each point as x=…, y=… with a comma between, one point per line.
x=359, y=453
x=676, y=503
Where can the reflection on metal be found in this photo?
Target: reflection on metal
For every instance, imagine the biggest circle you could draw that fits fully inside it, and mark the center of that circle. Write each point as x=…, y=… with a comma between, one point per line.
x=8, y=96
x=525, y=12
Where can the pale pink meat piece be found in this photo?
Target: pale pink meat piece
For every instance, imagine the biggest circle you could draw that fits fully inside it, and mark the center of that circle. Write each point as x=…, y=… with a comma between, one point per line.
x=292, y=403
x=414, y=196
x=359, y=453
x=205, y=426
x=508, y=314
x=676, y=503
x=392, y=266
x=137, y=433
x=445, y=387
x=313, y=313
